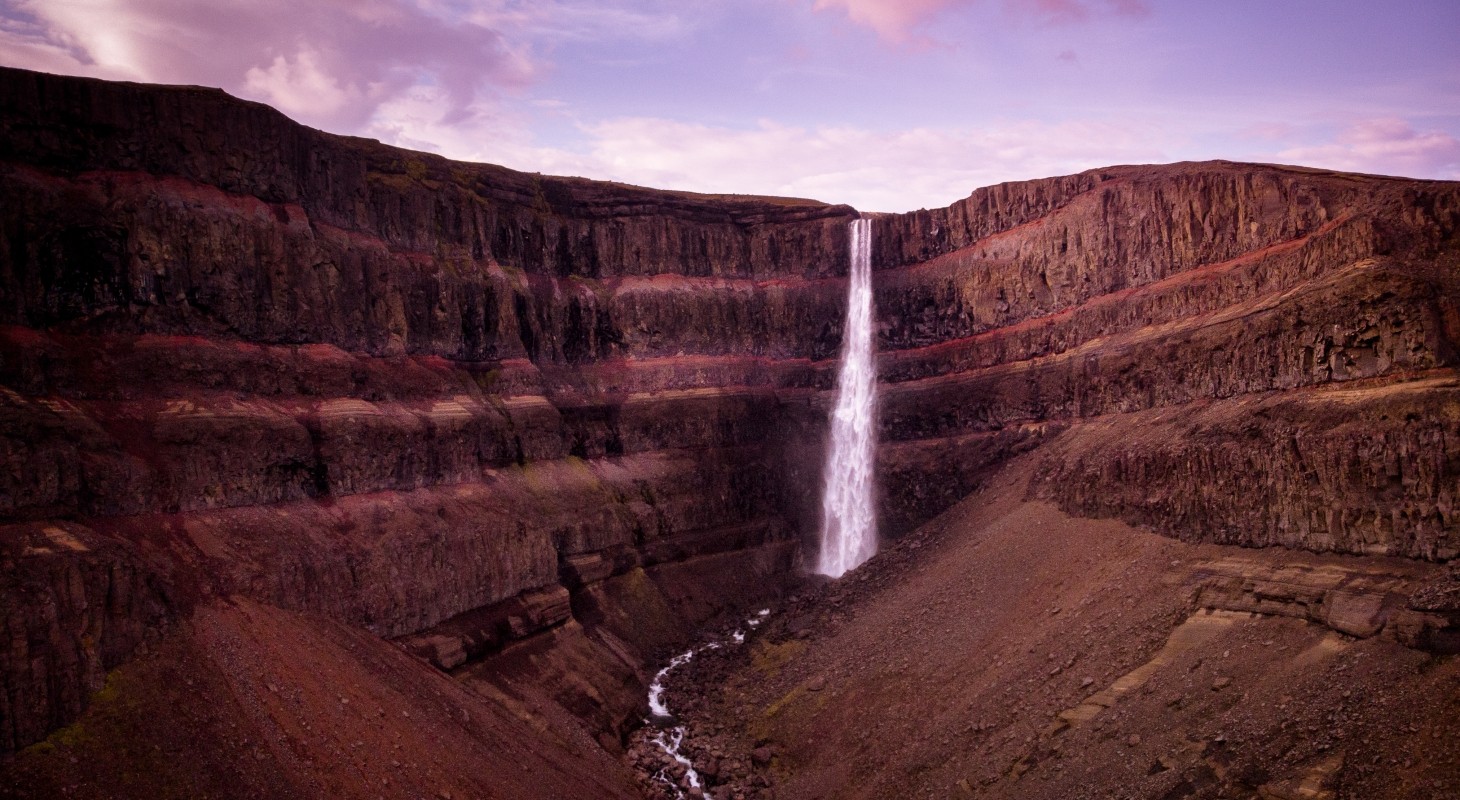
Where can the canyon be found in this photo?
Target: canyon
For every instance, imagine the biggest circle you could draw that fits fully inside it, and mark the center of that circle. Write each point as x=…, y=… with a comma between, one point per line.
x=336, y=469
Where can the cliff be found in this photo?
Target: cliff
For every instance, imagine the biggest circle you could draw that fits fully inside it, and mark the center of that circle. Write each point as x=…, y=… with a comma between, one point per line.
x=243, y=358
x=1248, y=355
x=535, y=430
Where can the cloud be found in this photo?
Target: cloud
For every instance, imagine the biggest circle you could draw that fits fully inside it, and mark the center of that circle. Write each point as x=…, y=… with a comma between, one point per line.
x=896, y=20
x=1388, y=145
x=872, y=170
x=1078, y=10
x=492, y=133
x=891, y=19
x=589, y=20
x=898, y=170
x=329, y=63
x=300, y=86
x=27, y=44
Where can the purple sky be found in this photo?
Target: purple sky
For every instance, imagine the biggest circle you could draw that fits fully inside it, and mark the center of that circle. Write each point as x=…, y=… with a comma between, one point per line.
x=883, y=104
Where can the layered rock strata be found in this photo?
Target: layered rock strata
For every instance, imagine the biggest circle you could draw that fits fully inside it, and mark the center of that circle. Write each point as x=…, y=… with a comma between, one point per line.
x=536, y=429
x=453, y=405
x=1251, y=355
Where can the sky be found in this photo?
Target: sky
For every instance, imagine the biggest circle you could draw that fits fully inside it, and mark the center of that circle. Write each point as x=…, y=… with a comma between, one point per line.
x=888, y=105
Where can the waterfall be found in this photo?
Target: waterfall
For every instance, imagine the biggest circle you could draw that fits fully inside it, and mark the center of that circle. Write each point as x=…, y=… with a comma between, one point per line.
x=848, y=518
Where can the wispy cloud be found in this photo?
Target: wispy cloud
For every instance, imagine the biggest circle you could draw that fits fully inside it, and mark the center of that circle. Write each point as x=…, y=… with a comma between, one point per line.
x=1388, y=146
x=891, y=19
x=329, y=63
x=898, y=20
x=665, y=92
x=553, y=21
x=873, y=170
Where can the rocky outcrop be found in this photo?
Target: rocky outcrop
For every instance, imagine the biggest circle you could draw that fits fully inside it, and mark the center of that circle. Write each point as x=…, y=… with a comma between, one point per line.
x=536, y=429
x=78, y=605
x=1362, y=469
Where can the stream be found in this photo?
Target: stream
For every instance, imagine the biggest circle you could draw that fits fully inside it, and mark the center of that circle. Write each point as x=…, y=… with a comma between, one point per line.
x=670, y=737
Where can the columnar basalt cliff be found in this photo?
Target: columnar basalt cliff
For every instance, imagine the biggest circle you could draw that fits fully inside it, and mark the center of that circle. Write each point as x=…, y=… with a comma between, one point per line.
x=535, y=430
x=1249, y=355
x=454, y=405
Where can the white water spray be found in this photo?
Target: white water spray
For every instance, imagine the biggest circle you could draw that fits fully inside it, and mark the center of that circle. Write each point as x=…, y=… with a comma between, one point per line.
x=848, y=520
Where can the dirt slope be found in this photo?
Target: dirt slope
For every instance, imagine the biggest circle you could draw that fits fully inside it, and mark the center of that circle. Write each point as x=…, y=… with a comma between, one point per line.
x=247, y=700
x=1007, y=650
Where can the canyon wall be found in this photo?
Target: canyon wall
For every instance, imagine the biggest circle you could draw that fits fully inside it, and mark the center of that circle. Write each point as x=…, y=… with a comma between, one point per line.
x=454, y=405
x=1242, y=354
x=535, y=429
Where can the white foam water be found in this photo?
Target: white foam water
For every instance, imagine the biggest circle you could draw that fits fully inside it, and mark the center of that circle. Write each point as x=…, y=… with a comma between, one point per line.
x=848, y=518
x=670, y=740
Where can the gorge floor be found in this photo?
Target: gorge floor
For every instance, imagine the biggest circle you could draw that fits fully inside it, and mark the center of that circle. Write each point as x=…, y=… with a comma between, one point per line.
x=1007, y=650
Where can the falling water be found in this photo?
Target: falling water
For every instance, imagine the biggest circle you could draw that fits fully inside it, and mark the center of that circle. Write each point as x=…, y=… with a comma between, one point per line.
x=848, y=524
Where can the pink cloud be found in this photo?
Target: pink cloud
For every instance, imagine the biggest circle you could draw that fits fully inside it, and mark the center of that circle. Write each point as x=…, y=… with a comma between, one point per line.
x=1064, y=11
x=1055, y=10
x=873, y=170
x=895, y=20
x=1386, y=145
x=329, y=63
x=891, y=19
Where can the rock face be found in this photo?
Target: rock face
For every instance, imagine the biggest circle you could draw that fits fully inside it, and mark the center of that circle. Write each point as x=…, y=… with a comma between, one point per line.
x=537, y=429
x=451, y=404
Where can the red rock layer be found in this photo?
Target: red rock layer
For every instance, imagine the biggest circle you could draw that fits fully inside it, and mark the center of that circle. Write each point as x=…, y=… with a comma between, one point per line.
x=1172, y=297
x=454, y=405
x=535, y=429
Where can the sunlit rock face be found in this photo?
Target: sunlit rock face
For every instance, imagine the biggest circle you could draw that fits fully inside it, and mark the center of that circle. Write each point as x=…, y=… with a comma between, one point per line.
x=537, y=429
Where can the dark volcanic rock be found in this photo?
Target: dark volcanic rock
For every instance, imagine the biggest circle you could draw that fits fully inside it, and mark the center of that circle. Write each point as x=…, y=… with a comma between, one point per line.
x=250, y=358
x=76, y=605
x=537, y=429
